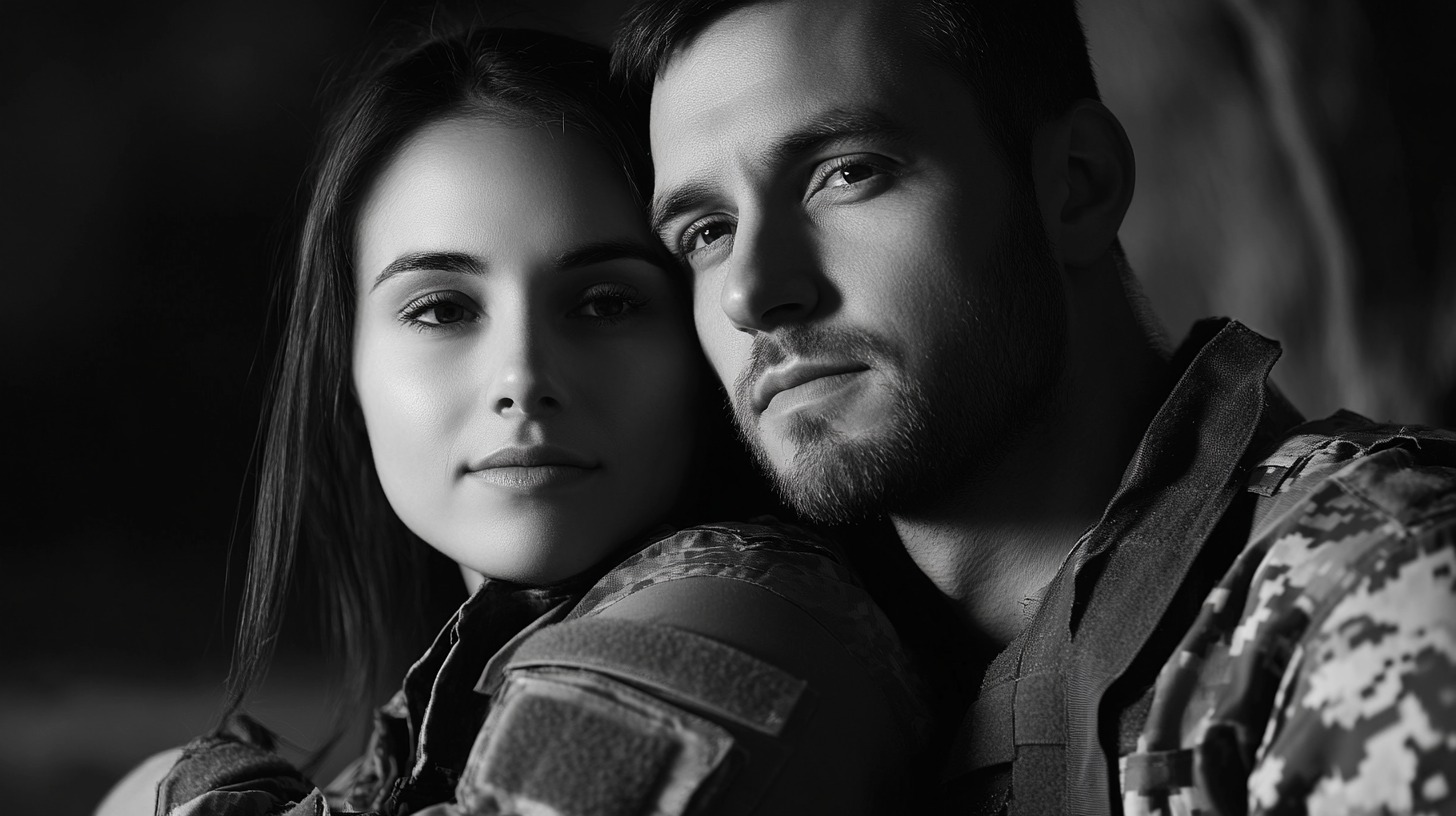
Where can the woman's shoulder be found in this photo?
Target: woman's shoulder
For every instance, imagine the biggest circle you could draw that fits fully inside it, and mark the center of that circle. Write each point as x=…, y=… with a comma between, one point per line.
x=749, y=583
x=750, y=640
x=784, y=558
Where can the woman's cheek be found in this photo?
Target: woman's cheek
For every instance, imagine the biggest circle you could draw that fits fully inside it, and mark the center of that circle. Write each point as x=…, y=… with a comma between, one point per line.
x=409, y=401
x=671, y=394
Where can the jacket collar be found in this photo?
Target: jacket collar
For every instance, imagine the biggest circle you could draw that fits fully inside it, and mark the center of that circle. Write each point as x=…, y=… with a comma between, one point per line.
x=1180, y=484
x=1042, y=697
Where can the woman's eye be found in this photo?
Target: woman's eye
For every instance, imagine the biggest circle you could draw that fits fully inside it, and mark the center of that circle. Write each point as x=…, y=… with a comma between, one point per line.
x=608, y=303
x=848, y=174
x=445, y=313
x=606, y=307
x=436, y=311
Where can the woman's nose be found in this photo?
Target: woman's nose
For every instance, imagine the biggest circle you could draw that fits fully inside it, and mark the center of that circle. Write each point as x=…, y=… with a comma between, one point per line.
x=524, y=383
x=521, y=393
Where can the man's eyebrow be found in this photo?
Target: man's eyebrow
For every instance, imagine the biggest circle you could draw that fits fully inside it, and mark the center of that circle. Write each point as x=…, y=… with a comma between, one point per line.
x=459, y=263
x=606, y=251
x=832, y=127
x=827, y=129
x=685, y=197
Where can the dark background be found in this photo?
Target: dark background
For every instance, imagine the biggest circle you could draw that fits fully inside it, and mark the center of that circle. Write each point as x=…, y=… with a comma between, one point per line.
x=1295, y=171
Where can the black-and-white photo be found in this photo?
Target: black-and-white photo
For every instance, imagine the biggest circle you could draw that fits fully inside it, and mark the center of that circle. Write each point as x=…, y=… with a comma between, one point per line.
x=565, y=408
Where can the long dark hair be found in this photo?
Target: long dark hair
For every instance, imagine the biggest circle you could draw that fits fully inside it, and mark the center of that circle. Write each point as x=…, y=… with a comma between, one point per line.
x=319, y=500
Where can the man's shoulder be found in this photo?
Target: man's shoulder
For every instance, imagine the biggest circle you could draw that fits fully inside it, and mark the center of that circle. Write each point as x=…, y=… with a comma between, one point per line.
x=1322, y=660
x=1357, y=547
x=1360, y=507
x=1405, y=473
x=1361, y=568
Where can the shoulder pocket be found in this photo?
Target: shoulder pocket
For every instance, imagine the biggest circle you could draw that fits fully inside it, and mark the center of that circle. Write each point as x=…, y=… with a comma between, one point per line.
x=562, y=743
x=600, y=716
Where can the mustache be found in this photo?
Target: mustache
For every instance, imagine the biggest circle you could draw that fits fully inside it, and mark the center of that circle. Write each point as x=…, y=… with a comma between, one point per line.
x=772, y=348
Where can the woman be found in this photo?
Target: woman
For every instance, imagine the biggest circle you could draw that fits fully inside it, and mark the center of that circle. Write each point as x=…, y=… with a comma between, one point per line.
x=487, y=350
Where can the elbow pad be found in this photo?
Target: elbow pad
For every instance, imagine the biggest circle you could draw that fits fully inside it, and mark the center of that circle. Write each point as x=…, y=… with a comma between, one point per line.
x=603, y=717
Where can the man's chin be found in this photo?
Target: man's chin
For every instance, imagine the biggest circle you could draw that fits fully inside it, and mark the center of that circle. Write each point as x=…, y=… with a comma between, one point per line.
x=829, y=476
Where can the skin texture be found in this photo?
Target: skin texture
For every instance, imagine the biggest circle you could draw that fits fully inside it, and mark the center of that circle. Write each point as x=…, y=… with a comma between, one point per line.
x=550, y=325
x=536, y=364
x=851, y=229
x=980, y=376
x=530, y=358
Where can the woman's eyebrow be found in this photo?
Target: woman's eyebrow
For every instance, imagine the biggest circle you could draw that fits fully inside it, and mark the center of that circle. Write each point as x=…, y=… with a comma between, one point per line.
x=604, y=251
x=460, y=263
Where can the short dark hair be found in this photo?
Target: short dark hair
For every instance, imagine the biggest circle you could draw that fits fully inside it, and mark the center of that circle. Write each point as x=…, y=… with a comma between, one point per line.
x=1025, y=61
x=319, y=500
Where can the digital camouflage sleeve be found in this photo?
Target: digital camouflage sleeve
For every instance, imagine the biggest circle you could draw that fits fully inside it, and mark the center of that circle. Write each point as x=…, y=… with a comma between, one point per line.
x=1320, y=676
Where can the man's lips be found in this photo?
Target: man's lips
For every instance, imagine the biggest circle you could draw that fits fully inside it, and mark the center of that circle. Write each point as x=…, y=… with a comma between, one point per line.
x=796, y=373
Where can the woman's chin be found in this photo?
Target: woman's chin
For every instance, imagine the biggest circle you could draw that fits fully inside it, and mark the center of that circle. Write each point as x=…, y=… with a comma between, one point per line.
x=532, y=555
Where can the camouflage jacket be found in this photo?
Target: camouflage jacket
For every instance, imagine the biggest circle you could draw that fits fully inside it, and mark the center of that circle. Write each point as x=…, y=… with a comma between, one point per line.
x=529, y=702
x=1264, y=621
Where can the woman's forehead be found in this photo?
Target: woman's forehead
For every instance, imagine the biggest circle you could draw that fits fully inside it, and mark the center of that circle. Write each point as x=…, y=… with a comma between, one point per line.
x=489, y=188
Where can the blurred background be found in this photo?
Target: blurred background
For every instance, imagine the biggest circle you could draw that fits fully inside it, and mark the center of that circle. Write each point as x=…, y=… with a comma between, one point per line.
x=1295, y=172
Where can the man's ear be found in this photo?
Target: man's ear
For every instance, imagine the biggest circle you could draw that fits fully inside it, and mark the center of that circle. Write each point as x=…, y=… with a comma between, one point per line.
x=1083, y=168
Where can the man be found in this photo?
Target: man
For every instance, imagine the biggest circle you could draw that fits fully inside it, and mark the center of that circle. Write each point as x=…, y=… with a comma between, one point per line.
x=900, y=221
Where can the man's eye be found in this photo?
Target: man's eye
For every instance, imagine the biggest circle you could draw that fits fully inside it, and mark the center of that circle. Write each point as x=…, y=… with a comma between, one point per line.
x=848, y=174
x=711, y=234
x=703, y=236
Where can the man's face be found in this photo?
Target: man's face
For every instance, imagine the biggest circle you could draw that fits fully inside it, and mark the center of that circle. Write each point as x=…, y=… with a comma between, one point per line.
x=870, y=285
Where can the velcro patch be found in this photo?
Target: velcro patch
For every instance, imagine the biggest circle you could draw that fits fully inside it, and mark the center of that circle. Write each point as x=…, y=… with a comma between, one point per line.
x=576, y=744
x=691, y=669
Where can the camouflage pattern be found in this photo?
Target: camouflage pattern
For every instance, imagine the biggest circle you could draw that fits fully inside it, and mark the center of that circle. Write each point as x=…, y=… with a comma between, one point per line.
x=1301, y=663
x=798, y=566
x=1320, y=675
x=424, y=737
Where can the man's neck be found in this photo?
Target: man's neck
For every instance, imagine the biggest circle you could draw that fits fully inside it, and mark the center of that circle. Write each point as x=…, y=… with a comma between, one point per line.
x=993, y=545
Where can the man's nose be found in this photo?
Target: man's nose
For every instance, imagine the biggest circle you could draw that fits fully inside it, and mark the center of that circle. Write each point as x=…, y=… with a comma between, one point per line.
x=774, y=277
x=523, y=382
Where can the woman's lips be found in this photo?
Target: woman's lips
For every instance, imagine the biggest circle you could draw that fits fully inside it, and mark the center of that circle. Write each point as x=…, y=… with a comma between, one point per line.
x=532, y=467
x=531, y=477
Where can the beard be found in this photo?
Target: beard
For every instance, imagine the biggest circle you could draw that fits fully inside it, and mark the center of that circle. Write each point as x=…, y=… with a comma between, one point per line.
x=990, y=375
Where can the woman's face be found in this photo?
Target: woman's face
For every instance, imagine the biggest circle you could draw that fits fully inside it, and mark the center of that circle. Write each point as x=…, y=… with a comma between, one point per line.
x=525, y=368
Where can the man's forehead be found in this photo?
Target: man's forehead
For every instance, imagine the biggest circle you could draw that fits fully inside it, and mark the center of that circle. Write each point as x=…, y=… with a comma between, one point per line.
x=805, y=36
x=765, y=70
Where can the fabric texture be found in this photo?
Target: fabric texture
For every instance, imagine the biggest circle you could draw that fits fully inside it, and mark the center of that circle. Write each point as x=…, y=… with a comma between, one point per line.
x=671, y=662
x=1263, y=621
x=478, y=725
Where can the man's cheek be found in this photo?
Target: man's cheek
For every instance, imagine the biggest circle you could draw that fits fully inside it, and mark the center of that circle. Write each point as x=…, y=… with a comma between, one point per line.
x=728, y=364
x=726, y=348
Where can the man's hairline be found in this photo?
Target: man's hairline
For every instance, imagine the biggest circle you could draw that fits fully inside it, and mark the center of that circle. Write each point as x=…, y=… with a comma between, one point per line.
x=913, y=26
x=910, y=26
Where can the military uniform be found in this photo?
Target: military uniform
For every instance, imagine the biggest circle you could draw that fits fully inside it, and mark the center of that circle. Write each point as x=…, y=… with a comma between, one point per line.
x=530, y=701
x=1263, y=621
